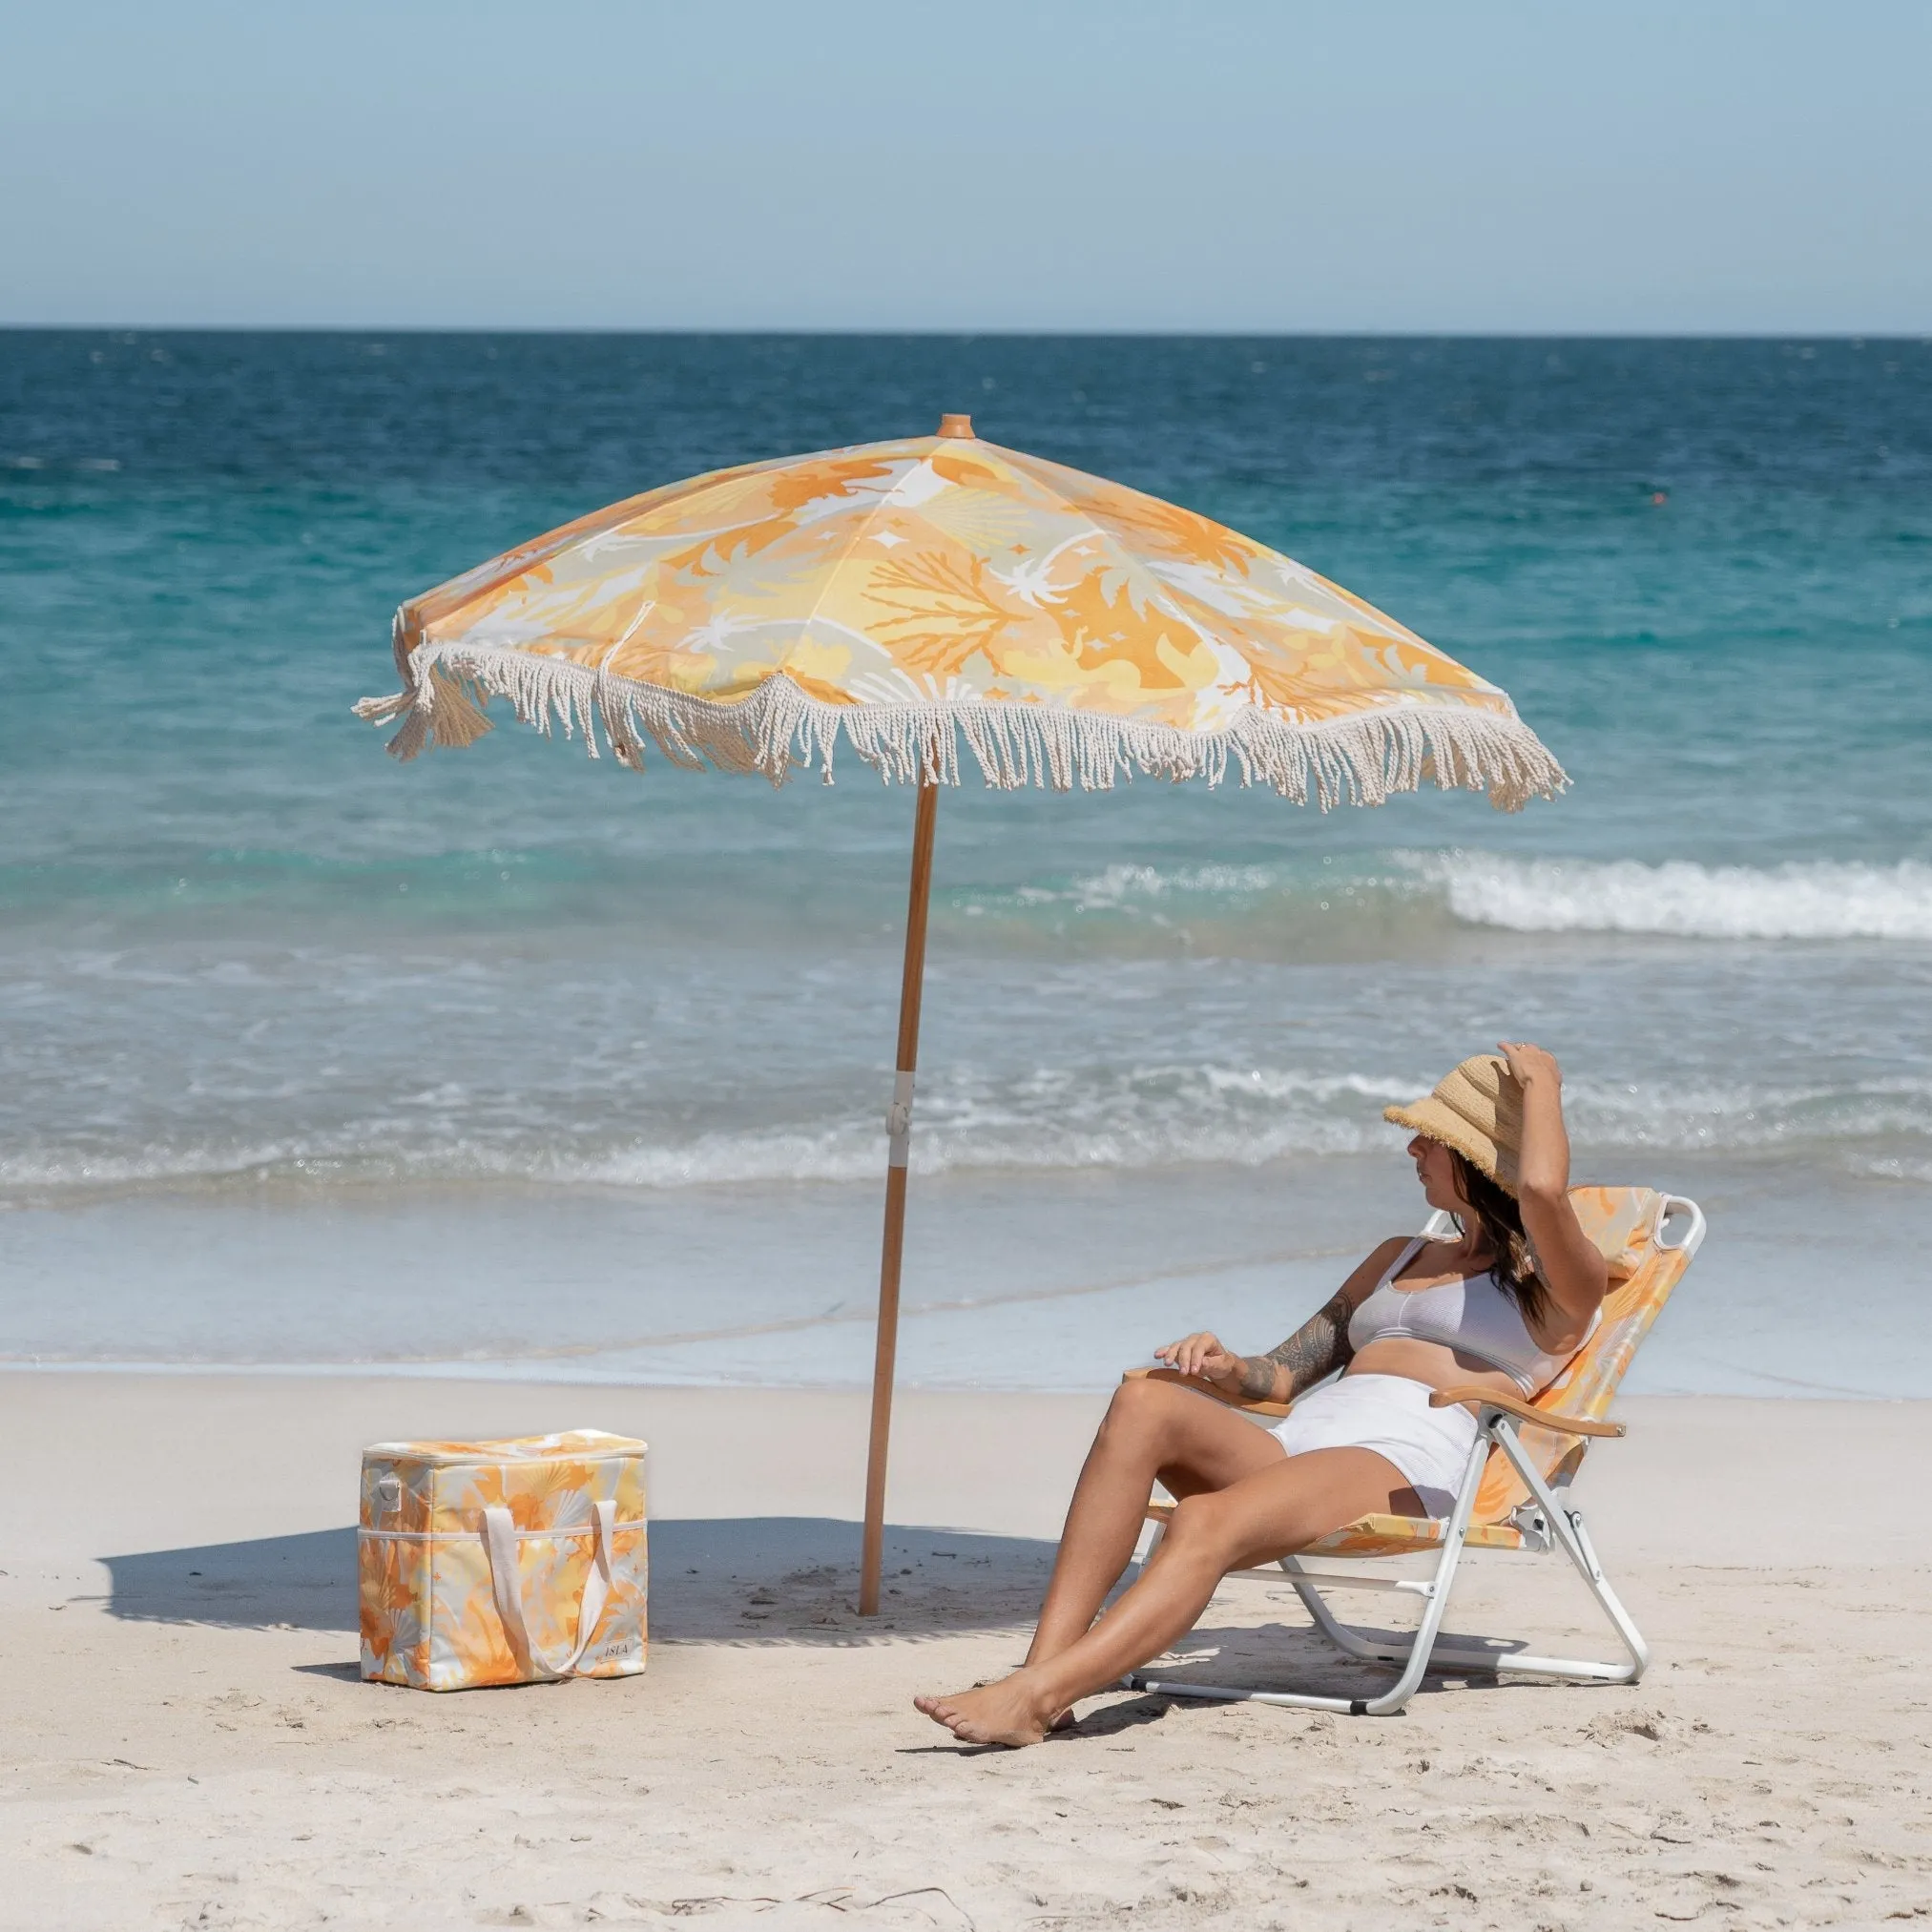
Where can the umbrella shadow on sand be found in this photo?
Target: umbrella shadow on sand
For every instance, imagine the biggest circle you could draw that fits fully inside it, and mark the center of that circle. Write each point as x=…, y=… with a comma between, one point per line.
x=736, y=1580
x=755, y=1582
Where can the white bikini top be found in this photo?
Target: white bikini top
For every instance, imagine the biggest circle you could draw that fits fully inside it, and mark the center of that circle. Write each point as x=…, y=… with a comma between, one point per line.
x=1474, y=1316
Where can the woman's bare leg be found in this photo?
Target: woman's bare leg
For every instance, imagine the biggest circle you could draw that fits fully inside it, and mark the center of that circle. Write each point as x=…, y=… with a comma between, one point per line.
x=1154, y=1429
x=1265, y=1515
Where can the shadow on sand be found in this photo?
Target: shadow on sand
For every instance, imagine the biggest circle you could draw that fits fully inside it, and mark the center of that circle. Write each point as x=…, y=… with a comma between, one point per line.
x=752, y=1580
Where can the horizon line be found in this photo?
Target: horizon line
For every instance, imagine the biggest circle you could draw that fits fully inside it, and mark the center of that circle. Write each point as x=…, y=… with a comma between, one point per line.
x=968, y=335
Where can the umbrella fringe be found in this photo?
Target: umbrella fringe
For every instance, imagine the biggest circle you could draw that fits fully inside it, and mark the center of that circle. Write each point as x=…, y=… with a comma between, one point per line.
x=778, y=730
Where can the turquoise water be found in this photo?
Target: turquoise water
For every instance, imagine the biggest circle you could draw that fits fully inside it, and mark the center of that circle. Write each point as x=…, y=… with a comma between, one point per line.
x=305, y=1057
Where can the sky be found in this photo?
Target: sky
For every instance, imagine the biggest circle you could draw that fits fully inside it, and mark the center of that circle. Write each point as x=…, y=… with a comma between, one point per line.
x=1225, y=165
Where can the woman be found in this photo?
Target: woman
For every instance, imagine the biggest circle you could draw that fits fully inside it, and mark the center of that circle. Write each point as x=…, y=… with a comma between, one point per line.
x=1505, y=1305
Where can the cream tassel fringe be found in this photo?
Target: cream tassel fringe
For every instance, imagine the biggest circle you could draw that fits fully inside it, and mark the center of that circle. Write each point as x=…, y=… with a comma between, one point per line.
x=778, y=730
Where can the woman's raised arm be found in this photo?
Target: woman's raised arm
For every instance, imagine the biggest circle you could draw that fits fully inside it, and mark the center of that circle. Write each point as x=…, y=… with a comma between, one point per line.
x=1315, y=1350
x=1566, y=1260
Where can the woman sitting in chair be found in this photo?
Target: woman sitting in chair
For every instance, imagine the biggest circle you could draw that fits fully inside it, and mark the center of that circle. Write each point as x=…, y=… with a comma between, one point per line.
x=1504, y=1307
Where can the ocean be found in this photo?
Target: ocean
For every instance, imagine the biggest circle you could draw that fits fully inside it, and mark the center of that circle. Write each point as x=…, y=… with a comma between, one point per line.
x=504, y=1063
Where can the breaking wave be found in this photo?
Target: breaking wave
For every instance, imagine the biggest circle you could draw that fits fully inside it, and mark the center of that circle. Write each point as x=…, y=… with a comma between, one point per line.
x=1817, y=899
x=1405, y=898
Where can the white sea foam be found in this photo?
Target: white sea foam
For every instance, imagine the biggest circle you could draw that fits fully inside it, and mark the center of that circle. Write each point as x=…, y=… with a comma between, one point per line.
x=1121, y=884
x=1801, y=899
x=1148, y=1116
x=1817, y=899
x=1142, y=1117
x=1265, y=900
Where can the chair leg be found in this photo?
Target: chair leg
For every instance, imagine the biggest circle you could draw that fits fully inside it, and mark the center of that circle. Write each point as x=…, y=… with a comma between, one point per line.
x=1566, y=1524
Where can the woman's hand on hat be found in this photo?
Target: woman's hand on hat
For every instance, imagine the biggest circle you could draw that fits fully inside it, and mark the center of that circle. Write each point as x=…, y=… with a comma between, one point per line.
x=1527, y=1063
x=1203, y=1355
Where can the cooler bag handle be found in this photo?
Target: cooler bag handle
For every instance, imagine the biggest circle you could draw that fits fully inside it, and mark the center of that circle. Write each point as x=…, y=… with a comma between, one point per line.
x=506, y=1583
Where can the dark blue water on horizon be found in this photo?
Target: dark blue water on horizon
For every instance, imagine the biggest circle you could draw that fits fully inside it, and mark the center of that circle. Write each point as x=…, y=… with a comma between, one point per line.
x=254, y=974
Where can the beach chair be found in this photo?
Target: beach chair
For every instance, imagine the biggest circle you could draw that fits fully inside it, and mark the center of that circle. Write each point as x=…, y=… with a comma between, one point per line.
x=1514, y=1492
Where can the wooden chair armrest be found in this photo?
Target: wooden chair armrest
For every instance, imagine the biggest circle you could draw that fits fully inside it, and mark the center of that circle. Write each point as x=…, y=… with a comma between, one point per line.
x=1524, y=1412
x=1208, y=1389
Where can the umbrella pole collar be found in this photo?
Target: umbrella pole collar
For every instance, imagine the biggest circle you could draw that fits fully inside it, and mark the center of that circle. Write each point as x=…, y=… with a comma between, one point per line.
x=898, y=1119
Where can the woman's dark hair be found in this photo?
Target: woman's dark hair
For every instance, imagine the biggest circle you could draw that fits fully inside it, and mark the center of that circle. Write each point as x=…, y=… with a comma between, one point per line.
x=1495, y=1208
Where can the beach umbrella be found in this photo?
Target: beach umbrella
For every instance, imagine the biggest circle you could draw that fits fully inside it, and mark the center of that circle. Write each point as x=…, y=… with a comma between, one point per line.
x=919, y=595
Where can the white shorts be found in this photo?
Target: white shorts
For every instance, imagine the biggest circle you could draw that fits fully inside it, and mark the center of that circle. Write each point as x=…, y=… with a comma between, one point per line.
x=1391, y=1414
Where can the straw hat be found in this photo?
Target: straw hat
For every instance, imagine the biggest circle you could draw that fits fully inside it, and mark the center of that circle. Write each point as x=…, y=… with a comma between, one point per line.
x=1477, y=1109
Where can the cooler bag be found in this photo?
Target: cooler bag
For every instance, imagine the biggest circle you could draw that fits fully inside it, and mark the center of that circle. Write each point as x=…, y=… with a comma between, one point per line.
x=512, y=1562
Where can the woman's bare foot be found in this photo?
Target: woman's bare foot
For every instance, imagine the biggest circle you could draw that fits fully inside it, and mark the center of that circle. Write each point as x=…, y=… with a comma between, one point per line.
x=1006, y=1713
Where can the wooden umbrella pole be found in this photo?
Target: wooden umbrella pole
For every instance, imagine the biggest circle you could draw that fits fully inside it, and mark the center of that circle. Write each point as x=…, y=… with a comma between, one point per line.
x=899, y=1124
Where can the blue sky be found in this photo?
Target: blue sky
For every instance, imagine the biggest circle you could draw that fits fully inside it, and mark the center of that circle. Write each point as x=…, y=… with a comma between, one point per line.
x=1003, y=164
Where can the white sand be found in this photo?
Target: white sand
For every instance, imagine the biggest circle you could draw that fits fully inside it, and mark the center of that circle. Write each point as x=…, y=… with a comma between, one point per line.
x=186, y=1749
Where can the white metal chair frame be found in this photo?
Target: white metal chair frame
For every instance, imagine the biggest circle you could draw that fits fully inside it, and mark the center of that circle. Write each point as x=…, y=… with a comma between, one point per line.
x=1548, y=1520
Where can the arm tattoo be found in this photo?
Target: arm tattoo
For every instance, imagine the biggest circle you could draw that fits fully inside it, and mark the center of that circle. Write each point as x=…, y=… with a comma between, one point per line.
x=1316, y=1349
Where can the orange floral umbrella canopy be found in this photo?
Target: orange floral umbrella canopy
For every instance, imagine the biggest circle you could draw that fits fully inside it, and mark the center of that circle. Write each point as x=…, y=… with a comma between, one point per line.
x=915, y=594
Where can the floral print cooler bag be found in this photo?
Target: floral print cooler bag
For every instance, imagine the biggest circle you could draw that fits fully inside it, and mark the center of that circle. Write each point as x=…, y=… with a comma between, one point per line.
x=512, y=1562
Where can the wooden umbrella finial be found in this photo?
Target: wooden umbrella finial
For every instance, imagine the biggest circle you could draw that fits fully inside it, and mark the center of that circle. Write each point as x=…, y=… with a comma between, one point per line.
x=956, y=425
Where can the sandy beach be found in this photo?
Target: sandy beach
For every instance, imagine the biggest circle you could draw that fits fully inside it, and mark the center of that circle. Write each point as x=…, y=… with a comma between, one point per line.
x=187, y=1743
